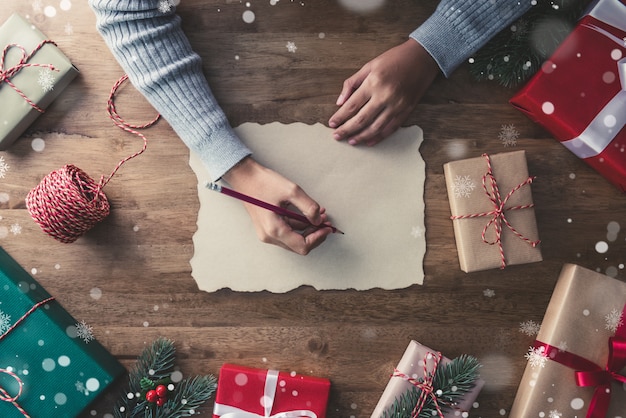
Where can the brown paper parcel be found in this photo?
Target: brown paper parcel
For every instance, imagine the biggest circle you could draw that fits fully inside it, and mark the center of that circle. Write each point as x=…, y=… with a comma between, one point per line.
x=411, y=364
x=585, y=305
x=467, y=196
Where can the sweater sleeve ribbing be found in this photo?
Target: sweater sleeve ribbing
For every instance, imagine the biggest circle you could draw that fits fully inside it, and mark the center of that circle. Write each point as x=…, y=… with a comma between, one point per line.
x=459, y=28
x=152, y=49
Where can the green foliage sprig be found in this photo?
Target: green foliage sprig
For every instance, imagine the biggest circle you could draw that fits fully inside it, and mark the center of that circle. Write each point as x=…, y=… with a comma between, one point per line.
x=450, y=384
x=516, y=53
x=154, y=367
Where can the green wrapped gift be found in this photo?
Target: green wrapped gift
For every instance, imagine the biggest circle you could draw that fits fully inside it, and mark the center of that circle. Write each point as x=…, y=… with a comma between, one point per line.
x=50, y=364
x=30, y=77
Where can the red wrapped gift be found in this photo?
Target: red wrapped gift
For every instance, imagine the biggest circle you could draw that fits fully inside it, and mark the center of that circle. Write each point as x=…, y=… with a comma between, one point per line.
x=579, y=95
x=244, y=392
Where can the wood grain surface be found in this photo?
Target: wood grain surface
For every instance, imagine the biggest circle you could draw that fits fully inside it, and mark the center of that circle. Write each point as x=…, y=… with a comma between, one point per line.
x=129, y=278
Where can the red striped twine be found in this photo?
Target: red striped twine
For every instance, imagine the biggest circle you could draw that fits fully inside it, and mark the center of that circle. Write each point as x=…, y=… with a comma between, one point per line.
x=67, y=202
x=498, y=213
x=7, y=74
x=4, y=395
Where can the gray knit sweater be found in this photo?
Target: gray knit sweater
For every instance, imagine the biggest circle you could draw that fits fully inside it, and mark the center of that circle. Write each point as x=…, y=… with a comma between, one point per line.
x=150, y=46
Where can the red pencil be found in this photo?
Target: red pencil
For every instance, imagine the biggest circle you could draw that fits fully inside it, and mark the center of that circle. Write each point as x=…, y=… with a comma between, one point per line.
x=276, y=209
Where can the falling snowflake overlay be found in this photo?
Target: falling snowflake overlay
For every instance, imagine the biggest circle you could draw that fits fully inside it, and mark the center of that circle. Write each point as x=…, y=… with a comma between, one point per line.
x=563, y=346
x=613, y=320
x=508, y=135
x=16, y=229
x=80, y=387
x=165, y=6
x=4, y=167
x=555, y=414
x=536, y=357
x=417, y=232
x=463, y=186
x=46, y=80
x=291, y=47
x=529, y=327
x=489, y=293
x=69, y=29
x=84, y=332
x=5, y=322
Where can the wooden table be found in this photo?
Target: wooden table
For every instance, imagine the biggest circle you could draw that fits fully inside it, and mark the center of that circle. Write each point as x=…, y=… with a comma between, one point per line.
x=129, y=278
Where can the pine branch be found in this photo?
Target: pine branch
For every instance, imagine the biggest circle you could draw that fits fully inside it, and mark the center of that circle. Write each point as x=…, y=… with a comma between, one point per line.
x=154, y=365
x=451, y=383
x=517, y=52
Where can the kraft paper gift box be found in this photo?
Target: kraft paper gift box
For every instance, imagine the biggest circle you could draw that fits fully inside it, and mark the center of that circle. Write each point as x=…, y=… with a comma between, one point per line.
x=25, y=92
x=475, y=211
x=60, y=368
x=583, y=324
x=412, y=364
x=250, y=392
x=579, y=95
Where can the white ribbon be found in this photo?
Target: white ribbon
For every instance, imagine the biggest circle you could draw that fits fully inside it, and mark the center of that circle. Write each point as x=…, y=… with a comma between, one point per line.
x=269, y=394
x=611, y=119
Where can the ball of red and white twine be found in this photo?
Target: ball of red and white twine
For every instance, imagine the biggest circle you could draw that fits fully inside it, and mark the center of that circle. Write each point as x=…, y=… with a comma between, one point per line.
x=67, y=202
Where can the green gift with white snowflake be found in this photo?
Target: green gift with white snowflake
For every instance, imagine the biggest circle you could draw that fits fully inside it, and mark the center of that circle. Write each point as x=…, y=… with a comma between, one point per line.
x=33, y=73
x=50, y=364
x=577, y=365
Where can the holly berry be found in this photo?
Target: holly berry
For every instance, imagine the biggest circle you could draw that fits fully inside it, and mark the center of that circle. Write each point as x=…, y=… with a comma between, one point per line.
x=152, y=396
x=161, y=391
x=161, y=401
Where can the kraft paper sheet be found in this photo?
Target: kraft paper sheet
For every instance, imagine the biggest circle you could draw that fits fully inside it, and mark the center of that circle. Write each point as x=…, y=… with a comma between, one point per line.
x=373, y=194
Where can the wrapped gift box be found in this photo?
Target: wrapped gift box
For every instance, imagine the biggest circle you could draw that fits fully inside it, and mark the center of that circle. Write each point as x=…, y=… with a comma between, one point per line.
x=39, y=84
x=580, y=94
x=61, y=367
x=472, y=210
x=248, y=391
x=586, y=309
x=412, y=364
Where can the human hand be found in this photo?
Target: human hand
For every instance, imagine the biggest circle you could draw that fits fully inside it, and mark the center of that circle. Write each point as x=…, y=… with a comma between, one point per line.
x=376, y=100
x=251, y=178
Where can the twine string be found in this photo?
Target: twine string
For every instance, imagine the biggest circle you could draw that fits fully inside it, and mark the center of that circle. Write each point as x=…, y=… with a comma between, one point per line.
x=7, y=74
x=68, y=202
x=4, y=395
x=425, y=384
x=498, y=217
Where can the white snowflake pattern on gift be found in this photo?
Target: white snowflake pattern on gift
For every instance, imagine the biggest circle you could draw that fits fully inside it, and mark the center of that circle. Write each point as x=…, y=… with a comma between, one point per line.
x=165, y=6
x=84, y=331
x=291, y=47
x=554, y=414
x=536, y=357
x=613, y=320
x=46, y=79
x=5, y=322
x=508, y=135
x=463, y=186
x=529, y=327
x=4, y=167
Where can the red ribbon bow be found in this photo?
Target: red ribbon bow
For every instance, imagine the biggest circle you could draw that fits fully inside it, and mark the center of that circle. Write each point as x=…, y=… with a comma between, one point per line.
x=7, y=74
x=425, y=385
x=498, y=213
x=590, y=374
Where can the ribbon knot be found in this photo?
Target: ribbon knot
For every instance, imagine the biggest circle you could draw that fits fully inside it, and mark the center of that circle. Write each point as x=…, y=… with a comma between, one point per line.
x=7, y=74
x=498, y=214
x=6, y=397
x=425, y=384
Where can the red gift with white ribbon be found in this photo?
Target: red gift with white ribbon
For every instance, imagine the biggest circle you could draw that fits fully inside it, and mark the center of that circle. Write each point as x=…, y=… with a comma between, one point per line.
x=244, y=392
x=579, y=95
